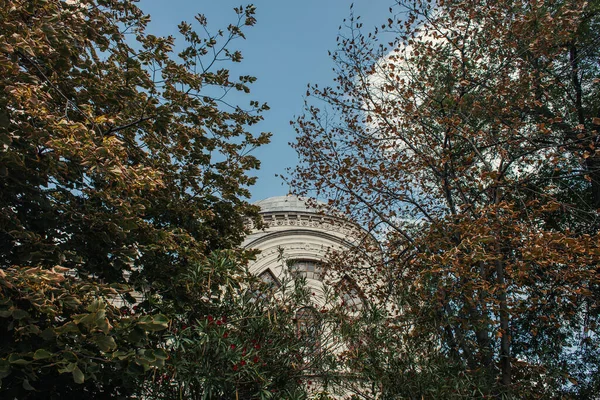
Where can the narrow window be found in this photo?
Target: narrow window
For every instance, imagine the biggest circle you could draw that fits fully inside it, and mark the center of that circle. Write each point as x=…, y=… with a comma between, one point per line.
x=308, y=328
x=350, y=295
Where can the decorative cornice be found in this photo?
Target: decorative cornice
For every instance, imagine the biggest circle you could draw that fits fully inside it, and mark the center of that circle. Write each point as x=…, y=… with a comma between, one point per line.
x=307, y=220
x=319, y=250
x=318, y=235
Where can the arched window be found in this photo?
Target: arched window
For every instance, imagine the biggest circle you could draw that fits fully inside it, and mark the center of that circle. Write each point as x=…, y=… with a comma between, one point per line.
x=308, y=328
x=350, y=295
x=270, y=285
x=310, y=269
x=269, y=278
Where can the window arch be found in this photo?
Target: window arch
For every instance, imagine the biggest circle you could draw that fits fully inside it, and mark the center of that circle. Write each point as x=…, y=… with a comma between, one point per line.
x=308, y=327
x=310, y=269
x=267, y=284
x=350, y=294
x=269, y=278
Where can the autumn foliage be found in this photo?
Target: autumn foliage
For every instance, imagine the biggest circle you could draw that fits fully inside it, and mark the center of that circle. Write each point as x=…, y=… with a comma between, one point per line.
x=123, y=166
x=467, y=144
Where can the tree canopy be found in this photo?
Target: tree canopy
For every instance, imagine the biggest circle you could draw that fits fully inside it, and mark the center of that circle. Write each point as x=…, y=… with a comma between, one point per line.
x=467, y=143
x=120, y=155
x=123, y=167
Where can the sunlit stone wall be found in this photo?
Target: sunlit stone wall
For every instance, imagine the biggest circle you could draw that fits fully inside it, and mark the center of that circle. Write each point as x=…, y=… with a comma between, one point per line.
x=298, y=238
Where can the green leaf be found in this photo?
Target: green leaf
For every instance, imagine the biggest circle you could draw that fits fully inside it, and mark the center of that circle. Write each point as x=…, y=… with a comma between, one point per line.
x=4, y=369
x=69, y=327
x=135, y=368
x=48, y=334
x=19, y=314
x=96, y=305
x=121, y=355
x=16, y=359
x=78, y=376
x=153, y=322
x=26, y=385
x=70, y=357
x=105, y=343
x=69, y=368
x=41, y=354
x=161, y=354
x=136, y=335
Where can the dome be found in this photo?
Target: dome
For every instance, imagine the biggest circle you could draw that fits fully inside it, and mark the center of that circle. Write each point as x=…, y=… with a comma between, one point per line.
x=286, y=204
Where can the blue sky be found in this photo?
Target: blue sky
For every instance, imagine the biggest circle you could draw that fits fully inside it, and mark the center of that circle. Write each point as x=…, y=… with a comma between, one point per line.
x=285, y=50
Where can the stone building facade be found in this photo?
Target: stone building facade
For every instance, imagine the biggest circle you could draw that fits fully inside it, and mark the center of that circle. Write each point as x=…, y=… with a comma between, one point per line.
x=298, y=236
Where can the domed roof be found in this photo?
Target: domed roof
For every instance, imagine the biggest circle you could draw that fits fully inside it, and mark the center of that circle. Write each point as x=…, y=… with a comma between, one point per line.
x=287, y=203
